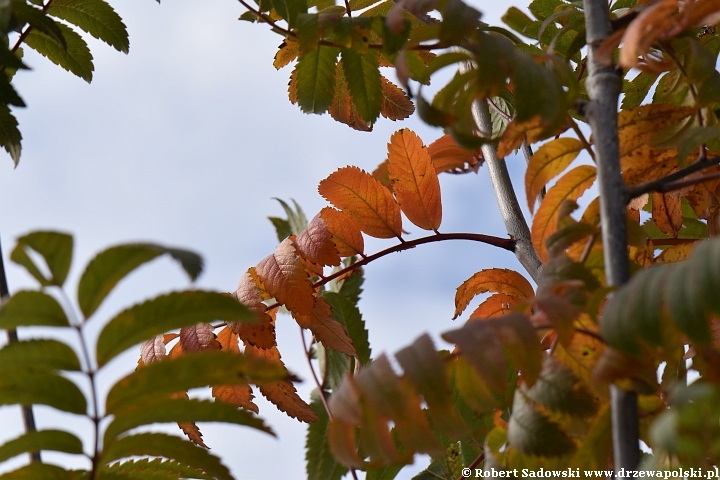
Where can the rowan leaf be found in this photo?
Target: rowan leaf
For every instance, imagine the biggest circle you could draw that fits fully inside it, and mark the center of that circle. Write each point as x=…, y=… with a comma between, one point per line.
x=637, y=126
x=517, y=132
x=329, y=332
x=282, y=393
x=164, y=313
x=346, y=234
x=347, y=313
x=30, y=307
x=39, y=353
x=76, y=58
x=37, y=470
x=414, y=180
x=10, y=137
x=153, y=350
x=180, y=410
x=238, y=395
x=185, y=372
x=533, y=433
x=27, y=385
x=262, y=333
x=342, y=108
x=448, y=156
x=316, y=79
x=650, y=25
x=197, y=338
x=496, y=280
x=319, y=461
x=548, y=161
x=368, y=203
x=35, y=441
x=637, y=89
x=55, y=248
x=647, y=163
x=395, y=103
x=570, y=187
x=559, y=390
x=166, y=446
x=110, y=266
x=667, y=212
x=685, y=302
x=155, y=469
x=95, y=17
x=287, y=52
x=363, y=80
x=289, y=10
x=286, y=279
x=495, y=306
x=315, y=243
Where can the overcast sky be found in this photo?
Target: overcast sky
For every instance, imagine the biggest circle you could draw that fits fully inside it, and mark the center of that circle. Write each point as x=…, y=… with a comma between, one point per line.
x=184, y=142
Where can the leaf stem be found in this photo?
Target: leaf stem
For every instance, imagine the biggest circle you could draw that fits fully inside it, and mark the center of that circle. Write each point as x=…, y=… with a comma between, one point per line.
x=660, y=183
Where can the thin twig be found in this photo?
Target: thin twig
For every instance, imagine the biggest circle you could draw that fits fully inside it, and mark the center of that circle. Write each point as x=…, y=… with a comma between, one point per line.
x=348, y=10
x=474, y=464
x=498, y=110
x=588, y=248
x=686, y=183
x=581, y=137
x=656, y=185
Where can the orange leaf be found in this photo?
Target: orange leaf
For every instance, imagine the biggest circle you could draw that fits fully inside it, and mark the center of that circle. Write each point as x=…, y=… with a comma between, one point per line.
x=284, y=278
x=198, y=338
x=193, y=433
x=370, y=205
x=240, y=395
x=515, y=133
x=287, y=52
x=283, y=393
x=700, y=13
x=261, y=334
x=637, y=126
x=549, y=160
x=570, y=187
x=315, y=243
x=395, y=104
x=667, y=213
x=415, y=182
x=346, y=234
x=497, y=280
x=655, y=22
x=645, y=163
x=326, y=330
x=342, y=108
x=448, y=156
x=495, y=306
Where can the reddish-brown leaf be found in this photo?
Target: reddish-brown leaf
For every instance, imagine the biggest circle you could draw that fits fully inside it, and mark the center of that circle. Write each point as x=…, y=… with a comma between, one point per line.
x=448, y=156
x=152, y=350
x=249, y=293
x=415, y=182
x=283, y=393
x=198, y=338
x=315, y=243
x=654, y=22
x=193, y=433
x=240, y=395
x=495, y=306
x=370, y=205
x=326, y=330
x=570, y=187
x=667, y=212
x=395, y=104
x=346, y=234
x=284, y=278
x=496, y=280
x=547, y=162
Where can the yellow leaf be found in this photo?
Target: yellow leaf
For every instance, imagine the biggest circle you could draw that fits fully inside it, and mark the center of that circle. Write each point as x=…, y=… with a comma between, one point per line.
x=284, y=278
x=645, y=163
x=638, y=125
x=549, y=161
x=675, y=253
x=316, y=245
x=287, y=52
x=496, y=280
x=395, y=104
x=415, y=182
x=570, y=187
x=667, y=213
x=345, y=233
x=448, y=156
x=368, y=203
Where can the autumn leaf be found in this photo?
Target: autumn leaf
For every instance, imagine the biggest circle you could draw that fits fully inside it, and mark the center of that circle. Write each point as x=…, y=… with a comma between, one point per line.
x=395, y=104
x=198, y=338
x=284, y=278
x=655, y=22
x=326, y=330
x=570, y=187
x=152, y=350
x=667, y=212
x=316, y=245
x=637, y=126
x=283, y=393
x=287, y=52
x=240, y=395
x=345, y=233
x=517, y=132
x=548, y=161
x=495, y=306
x=497, y=280
x=675, y=253
x=415, y=182
x=342, y=108
x=645, y=163
x=261, y=334
x=448, y=156
x=370, y=205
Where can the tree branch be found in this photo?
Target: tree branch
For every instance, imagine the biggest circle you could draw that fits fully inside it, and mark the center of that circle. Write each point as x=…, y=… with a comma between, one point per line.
x=661, y=184
x=603, y=85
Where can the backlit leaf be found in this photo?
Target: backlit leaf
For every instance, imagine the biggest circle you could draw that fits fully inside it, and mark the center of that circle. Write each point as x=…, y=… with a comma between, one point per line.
x=548, y=161
x=112, y=265
x=10, y=137
x=289, y=9
x=667, y=212
x=347, y=313
x=346, y=234
x=30, y=307
x=153, y=350
x=40, y=353
x=164, y=313
x=342, y=108
x=319, y=461
x=516, y=132
x=326, y=330
x=448, y=156
x=495, y=306
x=55, y=248
x=415, y=182
x=155, y=469
x=570, y=187
x=533, y=433
x=197, y=338
x=76, y=59
x=316, y=79
x=395, y=103
x=56, y=440
x=285, y=278
x=166, y=446
x=638, y=125
x=363, y=80
x=287, y=52
x=185, y=372
x=315, y=243
x=95, y=17
x=238, y=395
x=370, y=205
x=496, y=280
x=262, y=333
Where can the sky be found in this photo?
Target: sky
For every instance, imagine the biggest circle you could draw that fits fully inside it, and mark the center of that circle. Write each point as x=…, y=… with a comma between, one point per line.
x=185, y=142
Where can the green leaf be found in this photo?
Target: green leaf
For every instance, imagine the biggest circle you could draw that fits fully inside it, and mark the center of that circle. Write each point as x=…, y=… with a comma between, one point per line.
x=637, y=89
x=459, y=21
x=164, y=313
x=316, y=79
x=345, y=312
x=537, y=92
x=57, y=440
x=319, y=462
x=29, y=386
x=166, y=446
x=351, y=287
x=95, y=17
x=37, y=470
x=38, y=20
x=533, y=433
x=55, y=247
x=559, y=390
x=191, y=371
x=694, y=138
x=361, y=4
x=544, y=8
x=39, y=353
x=282, y=228
x=289, y=10
x=686, y=304
x=296, y=218
x=112, y=265
x=8, y=94
x=447, y=466
x=180, y=410
x=516, y=19
x=308, y=32
x=29, y=307
x=76, y=59
x=384, y=473
x=156, y=469
x=363, y=79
